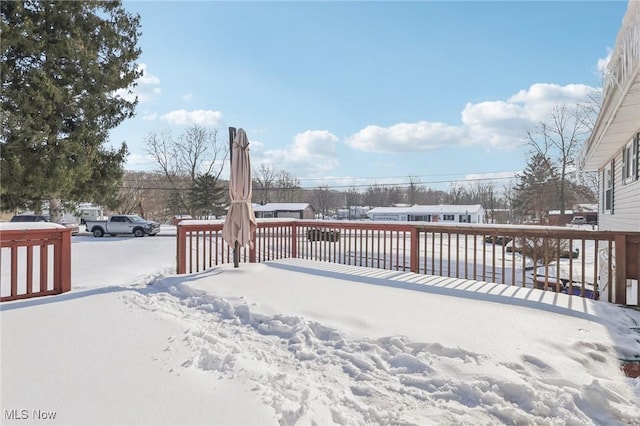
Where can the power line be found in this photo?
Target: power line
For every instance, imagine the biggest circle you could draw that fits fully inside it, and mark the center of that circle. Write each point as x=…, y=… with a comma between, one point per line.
x=360, y=185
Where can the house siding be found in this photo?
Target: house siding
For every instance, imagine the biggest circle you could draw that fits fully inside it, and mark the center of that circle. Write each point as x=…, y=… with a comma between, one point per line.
x=438, y=213
x=626, y=202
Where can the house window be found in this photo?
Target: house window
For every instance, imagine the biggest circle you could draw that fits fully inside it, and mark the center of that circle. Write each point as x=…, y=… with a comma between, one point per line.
x=630, y=161
x=607, y=192
x=448, y=217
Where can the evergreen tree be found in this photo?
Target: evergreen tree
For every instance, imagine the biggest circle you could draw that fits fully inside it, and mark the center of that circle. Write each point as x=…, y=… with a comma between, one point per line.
x=207, y=196
x=64, y=68
x=537, y=190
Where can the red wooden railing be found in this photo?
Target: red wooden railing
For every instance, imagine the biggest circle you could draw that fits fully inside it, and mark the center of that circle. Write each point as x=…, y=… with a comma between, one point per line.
x=571, y=260
x=35, y=262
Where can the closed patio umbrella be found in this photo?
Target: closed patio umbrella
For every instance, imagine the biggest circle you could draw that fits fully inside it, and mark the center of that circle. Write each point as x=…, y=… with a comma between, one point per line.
x=240, y=223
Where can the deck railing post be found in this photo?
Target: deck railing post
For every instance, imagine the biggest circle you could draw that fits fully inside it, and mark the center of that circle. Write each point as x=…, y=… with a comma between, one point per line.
x=252, y=248
x=620, y=294
x=294, y=240
x=414, y=248
x=63, y=264
x=181, y=252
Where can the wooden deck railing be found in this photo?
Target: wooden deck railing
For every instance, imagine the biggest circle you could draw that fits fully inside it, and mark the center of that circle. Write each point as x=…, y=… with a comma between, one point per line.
x=35, y=262
x=581, y=262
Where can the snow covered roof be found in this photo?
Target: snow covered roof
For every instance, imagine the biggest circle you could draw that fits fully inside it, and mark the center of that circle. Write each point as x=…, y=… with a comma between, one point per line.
x=272, y=207
x=437, y=209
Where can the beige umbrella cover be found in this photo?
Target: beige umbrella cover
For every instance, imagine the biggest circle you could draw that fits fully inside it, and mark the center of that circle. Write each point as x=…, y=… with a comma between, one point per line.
x=240, y=223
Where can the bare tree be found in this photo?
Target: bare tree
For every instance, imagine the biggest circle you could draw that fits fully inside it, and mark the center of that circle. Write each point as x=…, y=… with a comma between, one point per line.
x=162, y=147
x=590, y=109
x=415, y=190
x=353, y=197
x=145, y=193
x=378, y=195
x=264, y=178
x=287, y=185
x=560, y=137
x=323, y=198
x=196, y=152
x=132, y=193
x=434, y=197
x=591, y=181
x=456, y=194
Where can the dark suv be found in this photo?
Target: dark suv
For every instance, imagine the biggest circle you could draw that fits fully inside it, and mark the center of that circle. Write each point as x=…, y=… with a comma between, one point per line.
x=75, y=229
x=30, y=218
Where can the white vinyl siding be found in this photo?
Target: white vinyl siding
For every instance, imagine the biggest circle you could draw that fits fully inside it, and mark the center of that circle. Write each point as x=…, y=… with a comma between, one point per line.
x=433, y=213
x=626, y=201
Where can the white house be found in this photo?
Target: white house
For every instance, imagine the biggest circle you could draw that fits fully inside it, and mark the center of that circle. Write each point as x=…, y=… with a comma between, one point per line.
x=279, y=210
x=440, y=213
x=612, y=149
x=352, y=212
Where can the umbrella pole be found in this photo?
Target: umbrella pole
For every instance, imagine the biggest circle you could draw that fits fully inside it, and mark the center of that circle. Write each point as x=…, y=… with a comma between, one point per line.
x=236, y=245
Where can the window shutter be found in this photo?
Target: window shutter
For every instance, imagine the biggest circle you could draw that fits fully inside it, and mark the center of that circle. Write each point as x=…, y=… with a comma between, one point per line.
x=636, y=148
x=613, y=184
x=623, y=175
x=603, y=188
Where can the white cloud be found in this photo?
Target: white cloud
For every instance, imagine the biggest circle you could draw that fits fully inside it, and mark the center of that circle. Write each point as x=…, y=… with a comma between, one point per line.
x=496, y=124
x=406, y=137
x=312, y=151
x=499, y=124
x=151, y=116
x=140, y=161
x=146, y=88
x=187, y=96
x=543, y=95
x=147, y=78
x=199, y=117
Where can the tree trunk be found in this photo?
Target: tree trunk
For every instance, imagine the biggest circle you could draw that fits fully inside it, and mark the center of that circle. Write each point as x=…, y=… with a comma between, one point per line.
x=55, y=210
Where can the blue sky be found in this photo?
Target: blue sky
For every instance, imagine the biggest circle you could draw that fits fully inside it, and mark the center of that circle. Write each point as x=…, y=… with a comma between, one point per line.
x=352, y=93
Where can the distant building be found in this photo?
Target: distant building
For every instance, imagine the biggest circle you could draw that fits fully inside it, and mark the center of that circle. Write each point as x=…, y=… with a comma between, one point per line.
x=439, y=213
x=88, y=212
x=281, y=210
x=353, y=213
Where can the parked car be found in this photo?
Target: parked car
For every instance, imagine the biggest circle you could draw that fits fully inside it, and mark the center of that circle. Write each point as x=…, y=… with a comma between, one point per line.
x=123, y=224
x=30, y=218
x=497, y=239
x=535, y=247
x=75, y=228
x=316, y=234
x=579, y=220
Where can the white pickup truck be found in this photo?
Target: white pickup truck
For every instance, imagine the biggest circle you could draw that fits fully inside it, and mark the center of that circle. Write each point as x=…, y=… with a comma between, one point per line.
x=123, y=224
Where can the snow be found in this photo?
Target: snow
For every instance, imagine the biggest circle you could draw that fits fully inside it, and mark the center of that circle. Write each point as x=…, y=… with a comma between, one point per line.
x=307, y=343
